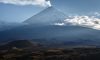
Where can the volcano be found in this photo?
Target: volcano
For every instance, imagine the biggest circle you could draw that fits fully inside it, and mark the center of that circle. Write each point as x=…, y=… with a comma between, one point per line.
x=43, y=30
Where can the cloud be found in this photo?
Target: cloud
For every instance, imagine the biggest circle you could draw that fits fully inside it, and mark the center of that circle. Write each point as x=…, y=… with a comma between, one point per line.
x=43, y=3
x=97, y=13
x=85, y=21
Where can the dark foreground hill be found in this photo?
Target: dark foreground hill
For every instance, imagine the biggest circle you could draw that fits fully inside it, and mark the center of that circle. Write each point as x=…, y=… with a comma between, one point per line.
x=20, y=51
x=19, y=44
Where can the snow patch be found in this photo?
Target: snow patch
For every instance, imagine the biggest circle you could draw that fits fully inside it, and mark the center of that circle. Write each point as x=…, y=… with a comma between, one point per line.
x=59, y=24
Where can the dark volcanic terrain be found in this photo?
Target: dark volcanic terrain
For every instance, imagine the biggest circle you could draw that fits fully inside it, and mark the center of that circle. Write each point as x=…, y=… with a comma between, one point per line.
x=29, y=50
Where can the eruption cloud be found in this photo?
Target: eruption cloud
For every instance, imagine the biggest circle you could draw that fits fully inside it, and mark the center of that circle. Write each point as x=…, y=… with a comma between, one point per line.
x=43, y=3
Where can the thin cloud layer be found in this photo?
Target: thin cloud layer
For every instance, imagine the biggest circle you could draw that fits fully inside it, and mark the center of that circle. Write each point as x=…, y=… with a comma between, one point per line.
x=43, y=3
x=85, y=21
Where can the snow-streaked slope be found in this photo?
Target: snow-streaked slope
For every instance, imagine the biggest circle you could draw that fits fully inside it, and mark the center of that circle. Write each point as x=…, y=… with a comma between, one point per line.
x=84, y=21
x=47, y=16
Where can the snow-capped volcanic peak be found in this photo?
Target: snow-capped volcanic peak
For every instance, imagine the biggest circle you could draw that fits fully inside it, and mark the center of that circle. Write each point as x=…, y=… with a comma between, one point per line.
x=85, y=21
